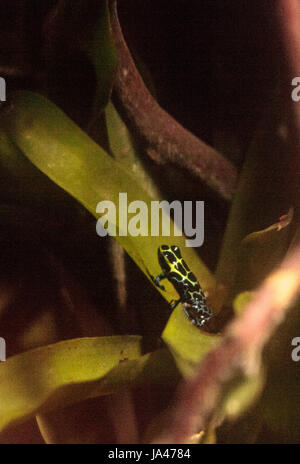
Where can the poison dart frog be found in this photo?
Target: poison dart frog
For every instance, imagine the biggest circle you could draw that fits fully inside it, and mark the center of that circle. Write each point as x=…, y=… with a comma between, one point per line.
x=185, y=283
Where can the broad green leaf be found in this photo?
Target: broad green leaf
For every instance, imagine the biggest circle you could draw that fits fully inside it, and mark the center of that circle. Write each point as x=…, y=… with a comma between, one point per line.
x=187, y=343
x=57, y=375
x=62, y=151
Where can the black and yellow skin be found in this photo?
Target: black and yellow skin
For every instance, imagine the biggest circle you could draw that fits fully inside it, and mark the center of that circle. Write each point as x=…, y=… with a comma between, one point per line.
x=185, y=283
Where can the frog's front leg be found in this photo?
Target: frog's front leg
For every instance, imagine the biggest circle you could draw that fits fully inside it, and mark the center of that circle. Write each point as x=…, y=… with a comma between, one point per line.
x=157, y=280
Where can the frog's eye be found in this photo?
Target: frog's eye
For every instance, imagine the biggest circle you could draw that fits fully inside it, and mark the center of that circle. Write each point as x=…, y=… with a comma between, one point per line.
x=164, y=247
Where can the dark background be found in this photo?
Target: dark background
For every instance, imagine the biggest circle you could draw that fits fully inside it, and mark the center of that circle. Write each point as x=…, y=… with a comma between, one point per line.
x=213, y=63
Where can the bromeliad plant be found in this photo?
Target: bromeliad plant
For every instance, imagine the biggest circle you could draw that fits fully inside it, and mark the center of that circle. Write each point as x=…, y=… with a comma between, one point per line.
x=231, y=374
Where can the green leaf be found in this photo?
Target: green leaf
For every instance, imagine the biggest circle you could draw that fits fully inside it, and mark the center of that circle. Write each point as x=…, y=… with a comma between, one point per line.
x=62, y=151
x=57, y=375
x=187, y=343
